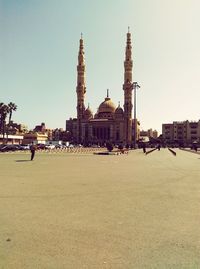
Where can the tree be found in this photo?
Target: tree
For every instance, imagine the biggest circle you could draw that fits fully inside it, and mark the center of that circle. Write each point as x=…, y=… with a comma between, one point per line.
x=12, y=107
x=1, y=108
x=4, y=110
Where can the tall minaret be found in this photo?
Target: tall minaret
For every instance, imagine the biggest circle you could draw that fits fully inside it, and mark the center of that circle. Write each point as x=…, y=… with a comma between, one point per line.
x=128, y=87
x=80, y=89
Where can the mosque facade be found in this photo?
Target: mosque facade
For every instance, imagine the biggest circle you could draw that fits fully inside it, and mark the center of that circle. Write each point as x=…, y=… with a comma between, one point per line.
x=110, y=123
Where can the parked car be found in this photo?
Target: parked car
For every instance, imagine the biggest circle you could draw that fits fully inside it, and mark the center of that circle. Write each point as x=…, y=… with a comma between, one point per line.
x=58, y=146
x=41, y=146
x=2, y=145
x=24, y=147
x=50, y=146
x=6, y=148
x=71, y=146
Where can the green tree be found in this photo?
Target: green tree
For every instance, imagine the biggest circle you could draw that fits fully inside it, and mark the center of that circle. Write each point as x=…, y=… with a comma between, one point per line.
x=12, y=107
x=4, y=110
x=1, y=116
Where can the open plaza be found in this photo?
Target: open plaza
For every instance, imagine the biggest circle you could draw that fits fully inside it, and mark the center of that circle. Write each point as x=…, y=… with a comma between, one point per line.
x=79, y=210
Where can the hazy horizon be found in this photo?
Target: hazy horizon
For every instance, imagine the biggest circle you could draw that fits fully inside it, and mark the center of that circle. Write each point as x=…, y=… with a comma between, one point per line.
x=39, y=51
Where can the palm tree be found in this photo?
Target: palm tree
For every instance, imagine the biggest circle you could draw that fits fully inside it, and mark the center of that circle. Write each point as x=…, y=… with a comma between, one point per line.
x=12, y=107
x=1, y=115
x=4, y=110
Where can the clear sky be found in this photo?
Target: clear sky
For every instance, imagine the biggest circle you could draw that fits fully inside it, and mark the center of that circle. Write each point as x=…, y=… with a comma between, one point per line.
x=39, y=41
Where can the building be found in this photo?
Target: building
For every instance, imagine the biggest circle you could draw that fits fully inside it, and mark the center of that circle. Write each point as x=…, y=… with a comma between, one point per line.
x=150, y=133
x=59, y=134
x=110, y=123
x=183, y=133
x=34, y=137
x=42, y=129
x=14, y=133
x=14, y=128
x=11, y=139
x=155, y=134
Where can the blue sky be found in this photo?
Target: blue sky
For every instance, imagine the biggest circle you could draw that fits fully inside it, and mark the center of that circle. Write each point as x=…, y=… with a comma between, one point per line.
x=39, y=48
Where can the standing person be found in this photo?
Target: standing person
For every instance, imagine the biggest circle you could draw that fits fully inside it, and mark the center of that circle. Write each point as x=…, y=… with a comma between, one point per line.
x=144, y=147
x=32, y=149
x=195, y=147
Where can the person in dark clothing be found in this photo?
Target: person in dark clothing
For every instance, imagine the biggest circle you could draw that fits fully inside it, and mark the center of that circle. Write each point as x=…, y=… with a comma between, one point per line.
x=33, y=149
x=158, y=147
x=144, y=147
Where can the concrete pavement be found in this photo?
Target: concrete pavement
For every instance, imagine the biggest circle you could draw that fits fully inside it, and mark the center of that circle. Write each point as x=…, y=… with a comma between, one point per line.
x=130, y=211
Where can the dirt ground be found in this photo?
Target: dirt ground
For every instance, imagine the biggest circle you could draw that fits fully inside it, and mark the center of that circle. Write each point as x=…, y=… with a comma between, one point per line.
x=79, y=210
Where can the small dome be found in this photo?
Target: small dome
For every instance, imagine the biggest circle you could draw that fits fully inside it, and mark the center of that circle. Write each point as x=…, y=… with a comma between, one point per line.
x=119, y=110
x=107, y=106
x=88, y=113
x=119, y=113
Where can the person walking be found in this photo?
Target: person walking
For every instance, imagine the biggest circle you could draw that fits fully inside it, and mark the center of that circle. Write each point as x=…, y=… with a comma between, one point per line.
x=33, y=149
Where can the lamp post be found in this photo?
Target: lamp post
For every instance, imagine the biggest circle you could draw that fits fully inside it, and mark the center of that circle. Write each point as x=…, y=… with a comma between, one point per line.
x=135, y=87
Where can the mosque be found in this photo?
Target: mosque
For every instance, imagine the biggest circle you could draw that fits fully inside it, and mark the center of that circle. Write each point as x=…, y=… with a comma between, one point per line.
x=110, y=123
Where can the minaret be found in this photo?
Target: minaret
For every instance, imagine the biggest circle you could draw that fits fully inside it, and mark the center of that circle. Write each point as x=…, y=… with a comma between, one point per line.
x=80, y=89
x=128, y=87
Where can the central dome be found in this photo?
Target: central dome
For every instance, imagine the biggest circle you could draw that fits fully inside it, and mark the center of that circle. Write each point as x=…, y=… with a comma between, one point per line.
x=107, y=106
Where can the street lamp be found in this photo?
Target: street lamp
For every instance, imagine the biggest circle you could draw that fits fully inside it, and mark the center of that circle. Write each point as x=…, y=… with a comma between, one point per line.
x=135, y=87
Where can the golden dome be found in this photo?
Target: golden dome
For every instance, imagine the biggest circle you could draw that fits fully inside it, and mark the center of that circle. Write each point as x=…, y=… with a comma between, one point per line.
x=107, y=106
x=88, y=113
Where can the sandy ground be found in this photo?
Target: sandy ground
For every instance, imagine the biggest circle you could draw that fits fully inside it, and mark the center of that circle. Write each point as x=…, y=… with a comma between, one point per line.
x=67, y=210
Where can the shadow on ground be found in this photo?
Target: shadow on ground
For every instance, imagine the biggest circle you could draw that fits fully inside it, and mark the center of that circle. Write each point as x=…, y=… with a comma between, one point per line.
x=20, y=161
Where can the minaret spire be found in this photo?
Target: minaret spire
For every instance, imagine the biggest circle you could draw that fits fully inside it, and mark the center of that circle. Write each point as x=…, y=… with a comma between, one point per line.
x=80, y=88
x=128, y=87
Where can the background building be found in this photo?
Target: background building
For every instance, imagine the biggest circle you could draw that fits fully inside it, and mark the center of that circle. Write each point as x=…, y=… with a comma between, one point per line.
x=14, y=133
x=36, y=138
x=11, y=139
x=149, y=133
x=182, y=133
x=43, y=135
x=150, y=137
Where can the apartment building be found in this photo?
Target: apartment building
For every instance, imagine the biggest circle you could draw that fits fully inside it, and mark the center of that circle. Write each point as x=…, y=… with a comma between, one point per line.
x=182, y=132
